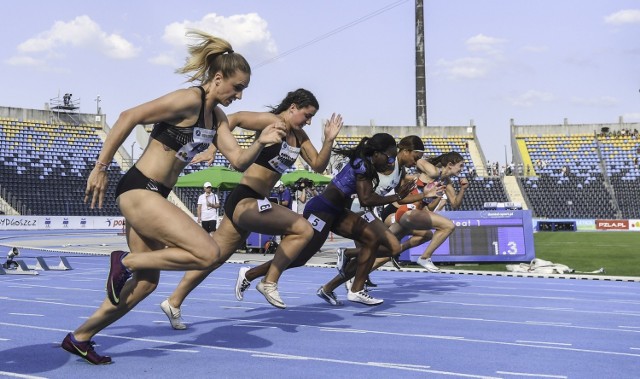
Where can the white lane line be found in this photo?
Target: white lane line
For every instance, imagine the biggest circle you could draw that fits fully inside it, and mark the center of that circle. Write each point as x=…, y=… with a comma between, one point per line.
x=406, y=367
x=255, y=326
x=279, y=356
x=4, y=339
x=634, y=348
x=172, y=350
x=26, y=314
x=628, y=327
x=389, y=364
x=548, y=323
x=545, y=343
x=390, y=314
x=339, y=330
x=16, y=375
x=228, y=307
x=531, y=374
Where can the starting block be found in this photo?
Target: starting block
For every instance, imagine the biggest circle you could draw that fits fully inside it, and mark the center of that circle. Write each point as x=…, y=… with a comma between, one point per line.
x=22, y=269
x=41, y=265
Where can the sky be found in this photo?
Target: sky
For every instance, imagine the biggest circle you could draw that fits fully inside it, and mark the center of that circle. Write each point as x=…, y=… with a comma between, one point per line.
x=490, y=61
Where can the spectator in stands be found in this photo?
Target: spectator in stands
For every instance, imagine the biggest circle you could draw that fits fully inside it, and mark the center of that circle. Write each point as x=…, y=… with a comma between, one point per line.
x=305, y=191
x=247, y=208
x=159, y=234
x=284, y=196
x=208, y=204
x=368, y=162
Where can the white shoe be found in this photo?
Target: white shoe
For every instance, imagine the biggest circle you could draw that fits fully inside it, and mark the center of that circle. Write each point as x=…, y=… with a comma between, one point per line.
x=270, y=292
x=174, y=315
x=348, y=284
x=242, y=283
x=363, y=297
x=426, y=263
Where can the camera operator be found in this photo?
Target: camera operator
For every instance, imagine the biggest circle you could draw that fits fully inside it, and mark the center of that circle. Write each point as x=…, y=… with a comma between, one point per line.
x=305, y=190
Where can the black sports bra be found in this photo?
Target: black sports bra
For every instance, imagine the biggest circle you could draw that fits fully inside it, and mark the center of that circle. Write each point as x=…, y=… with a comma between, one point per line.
x=186, y=141
x=279, y=157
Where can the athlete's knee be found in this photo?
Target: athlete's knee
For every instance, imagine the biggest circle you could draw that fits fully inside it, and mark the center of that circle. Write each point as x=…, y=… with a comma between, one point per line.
x=394, y=246
x=448, y=227
x=208, y=256
x=303, y=229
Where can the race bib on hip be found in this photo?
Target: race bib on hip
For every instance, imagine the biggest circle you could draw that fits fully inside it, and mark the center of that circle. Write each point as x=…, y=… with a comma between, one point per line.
x=264, y=205
x=368, y=217
x=316, y=223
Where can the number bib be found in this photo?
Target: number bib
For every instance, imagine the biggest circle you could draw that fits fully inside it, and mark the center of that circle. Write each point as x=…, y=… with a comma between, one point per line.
x=368, y=217
x=264, y=205
x=316, y=222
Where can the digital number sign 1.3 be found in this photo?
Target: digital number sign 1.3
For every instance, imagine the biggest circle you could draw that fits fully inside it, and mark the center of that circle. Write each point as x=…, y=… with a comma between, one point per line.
x=485, y=236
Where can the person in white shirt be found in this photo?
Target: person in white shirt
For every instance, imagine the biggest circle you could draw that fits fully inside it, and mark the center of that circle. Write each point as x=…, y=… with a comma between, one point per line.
x=208, y=205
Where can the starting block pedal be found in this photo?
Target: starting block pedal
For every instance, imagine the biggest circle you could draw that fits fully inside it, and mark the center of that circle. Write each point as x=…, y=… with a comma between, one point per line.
x=41, y=265
x=21, y=269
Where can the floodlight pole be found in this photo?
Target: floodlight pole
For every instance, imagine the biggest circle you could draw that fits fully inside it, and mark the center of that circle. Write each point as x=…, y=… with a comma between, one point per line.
x=421, y=82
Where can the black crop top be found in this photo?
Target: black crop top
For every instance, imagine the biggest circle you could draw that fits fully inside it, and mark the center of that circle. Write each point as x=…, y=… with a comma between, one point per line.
x=186, y=141
x=279, y=157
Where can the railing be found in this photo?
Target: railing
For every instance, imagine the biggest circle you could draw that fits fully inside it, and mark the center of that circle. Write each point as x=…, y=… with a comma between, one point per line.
x=12, y=202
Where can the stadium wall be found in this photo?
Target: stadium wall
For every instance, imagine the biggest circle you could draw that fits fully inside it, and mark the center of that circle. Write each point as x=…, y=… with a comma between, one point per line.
x=48, y=116
x=402, y=131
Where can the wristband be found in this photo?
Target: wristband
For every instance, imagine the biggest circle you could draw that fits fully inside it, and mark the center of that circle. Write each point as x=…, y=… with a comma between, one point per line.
x=102, y=166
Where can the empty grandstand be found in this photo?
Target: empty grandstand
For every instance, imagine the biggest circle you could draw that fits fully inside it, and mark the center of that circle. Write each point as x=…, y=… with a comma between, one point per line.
x=563, y=171
x=579, y=170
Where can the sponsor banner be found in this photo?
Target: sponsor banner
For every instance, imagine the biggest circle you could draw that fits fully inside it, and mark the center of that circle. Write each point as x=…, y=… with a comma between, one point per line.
x=612, y=224
x=584, y=225
x=589, y=225
x=634, y=225
x=60, y=222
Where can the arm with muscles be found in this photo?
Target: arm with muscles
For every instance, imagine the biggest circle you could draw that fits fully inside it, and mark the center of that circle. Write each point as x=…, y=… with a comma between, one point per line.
x=456, y=198
x=176, y=108
x=427, y=168
x=413, y=198
x=369, y=198
x=319, y=160
x=206, y=156
x=241, y=158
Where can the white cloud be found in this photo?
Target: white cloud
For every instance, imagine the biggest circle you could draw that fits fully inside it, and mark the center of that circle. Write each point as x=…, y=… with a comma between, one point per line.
x=25, y=61
x=165, y=60
x=630, y=117
x=248, y=34
x=626, y=16
x=535, y=49
x=466, y=68
x=530, y=98
x=475, y=67
x=600, y=102
x=81, y=32
x=484, y=44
